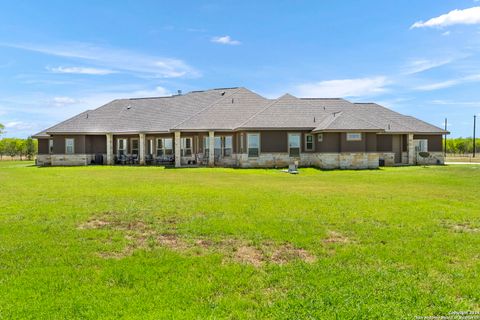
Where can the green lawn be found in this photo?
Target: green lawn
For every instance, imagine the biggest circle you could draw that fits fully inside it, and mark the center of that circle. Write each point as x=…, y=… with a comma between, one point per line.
x=150, y=243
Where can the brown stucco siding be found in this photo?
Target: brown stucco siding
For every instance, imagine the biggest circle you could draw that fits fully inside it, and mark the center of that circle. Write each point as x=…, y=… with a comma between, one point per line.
x=96, y=144
x=59, y=144
x=371, y=142
x=274, y=141
x=352, y=146
x=330, y=143
x=384, y=142
x=434, y=141
x=43, y=146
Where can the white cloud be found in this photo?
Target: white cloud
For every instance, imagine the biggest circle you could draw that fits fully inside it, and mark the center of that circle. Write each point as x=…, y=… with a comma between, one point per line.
x=18, y=125
x=344, y=88
x=420, y=65
x=226, y=40
x=457, y=16
x=438, y=85
x=448, y=83
x=446, y=33
x=62, y=101
x=114, y=59
x=456, y=103
x=80, y=70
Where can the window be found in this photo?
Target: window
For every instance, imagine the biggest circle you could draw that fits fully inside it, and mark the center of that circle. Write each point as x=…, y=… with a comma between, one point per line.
x=354, y=136
x=150, y=146
x=309, y=142
x=320, y=137
x=241, y=142
x=206, y=145
x=164, y=147
x=253, y=144
x=222, y=146
x=69, y=145
x=227, y=146
x=121, y=146
x=50, y=146
x=218, y=146
x=135, y=146
x=294, y=144
x=186, y=147
x=421, y=145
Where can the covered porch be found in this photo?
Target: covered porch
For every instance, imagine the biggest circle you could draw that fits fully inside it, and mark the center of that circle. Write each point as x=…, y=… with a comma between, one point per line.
x=176, y=149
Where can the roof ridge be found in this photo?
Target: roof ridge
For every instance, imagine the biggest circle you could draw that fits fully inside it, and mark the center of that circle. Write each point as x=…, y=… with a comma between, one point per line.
x=329, y=121
x=363, y=119
x=257, y=113
x=206, y=108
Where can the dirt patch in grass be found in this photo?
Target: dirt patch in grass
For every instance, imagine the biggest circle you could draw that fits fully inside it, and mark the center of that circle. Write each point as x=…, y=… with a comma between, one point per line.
x=286, y=253
x=462, y=227
x=336, y=237
x=140, y=235
x=249, y=255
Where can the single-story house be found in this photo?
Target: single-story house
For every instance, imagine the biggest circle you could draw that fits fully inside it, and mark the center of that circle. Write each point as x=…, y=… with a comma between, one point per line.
x=236, y=127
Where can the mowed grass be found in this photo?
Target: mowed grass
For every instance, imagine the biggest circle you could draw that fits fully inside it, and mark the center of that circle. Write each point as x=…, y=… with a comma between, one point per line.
x=393, y=243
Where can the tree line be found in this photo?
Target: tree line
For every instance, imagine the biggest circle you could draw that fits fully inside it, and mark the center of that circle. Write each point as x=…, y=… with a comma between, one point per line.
x=17, y=148
x=461, y=145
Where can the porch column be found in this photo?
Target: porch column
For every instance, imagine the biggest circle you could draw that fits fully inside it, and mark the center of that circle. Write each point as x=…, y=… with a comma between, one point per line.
x=142, y=149
x=211, y=148
x=178, y=154
x=110, y=149
x=411, y=149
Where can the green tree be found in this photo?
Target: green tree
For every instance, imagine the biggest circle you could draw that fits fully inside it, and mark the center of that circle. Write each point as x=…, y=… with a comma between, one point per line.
x=30, y=148
x=2, y=148
x=11, y=147
x=2, y=129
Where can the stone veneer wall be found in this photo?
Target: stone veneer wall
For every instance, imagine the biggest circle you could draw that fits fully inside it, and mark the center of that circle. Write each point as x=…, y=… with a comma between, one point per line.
x=434, y=158
x=72, y=159
x=352, y=160
x=389, y=158
x=43, y=160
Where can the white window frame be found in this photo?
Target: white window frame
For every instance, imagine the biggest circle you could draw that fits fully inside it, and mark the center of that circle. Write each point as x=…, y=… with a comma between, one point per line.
x=248, y=144
x=184, y=149
x=150, y=147
x=138, y=146
x=125, y=146
x=306, y=142
x=241, y=142
x=320, y=137
x=421, y=145
x=299, y=135
x=206, y=145
x=354, y=136
x=224, y=146
x=163, y=147
x=217, y=142
x=50, y=146
x=67, y=140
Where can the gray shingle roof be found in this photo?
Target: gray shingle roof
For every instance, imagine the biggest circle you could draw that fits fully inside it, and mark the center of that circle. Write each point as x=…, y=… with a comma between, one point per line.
x=237, y=109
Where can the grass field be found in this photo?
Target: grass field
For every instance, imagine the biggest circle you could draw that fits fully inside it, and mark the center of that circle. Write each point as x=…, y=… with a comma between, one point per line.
x=152, y=243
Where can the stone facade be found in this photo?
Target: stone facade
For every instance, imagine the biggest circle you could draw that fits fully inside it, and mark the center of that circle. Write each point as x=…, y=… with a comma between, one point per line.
x=43, y=160
x=351, y=160
x=434, y=158
x=388, y=157
x=67, y=159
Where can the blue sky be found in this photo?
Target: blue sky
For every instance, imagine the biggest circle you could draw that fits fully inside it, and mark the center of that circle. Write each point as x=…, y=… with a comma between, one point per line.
x=58, y=58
